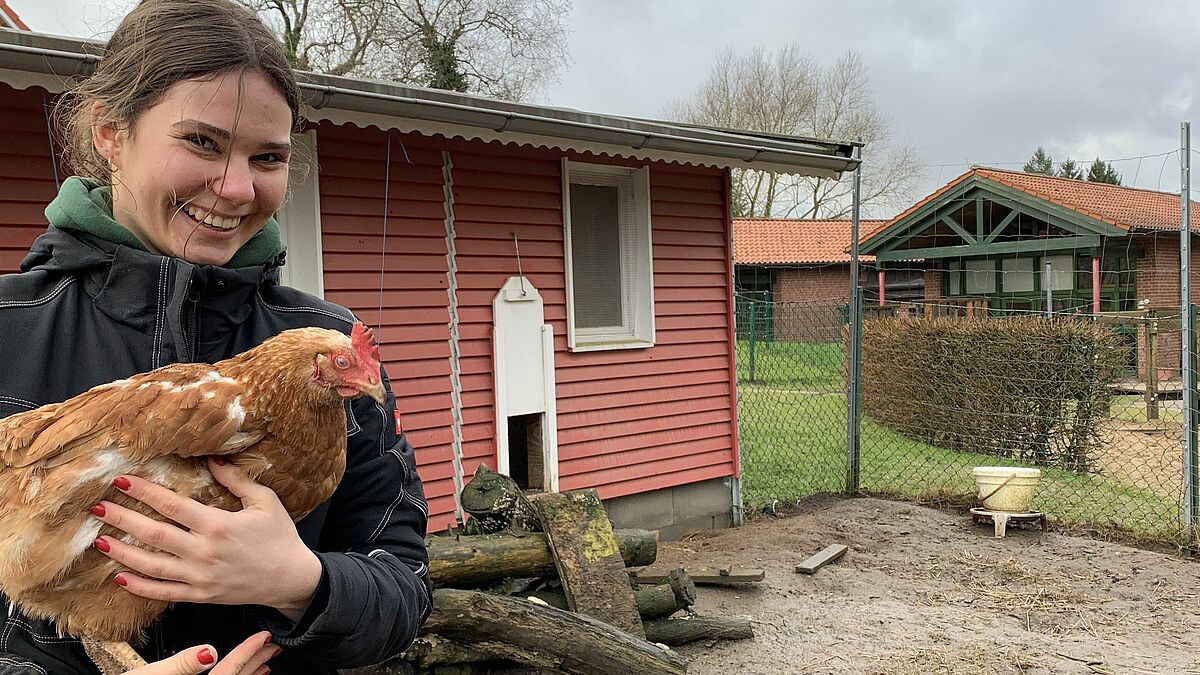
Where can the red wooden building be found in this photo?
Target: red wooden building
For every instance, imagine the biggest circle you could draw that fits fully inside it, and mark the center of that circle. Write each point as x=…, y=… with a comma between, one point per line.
x=552, y=288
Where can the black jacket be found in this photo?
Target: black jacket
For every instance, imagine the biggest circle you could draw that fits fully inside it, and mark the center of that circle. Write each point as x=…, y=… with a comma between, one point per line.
x=85, y=311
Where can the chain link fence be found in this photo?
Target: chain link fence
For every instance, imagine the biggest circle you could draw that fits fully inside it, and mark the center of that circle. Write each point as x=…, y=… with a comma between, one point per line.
x=1095, y=402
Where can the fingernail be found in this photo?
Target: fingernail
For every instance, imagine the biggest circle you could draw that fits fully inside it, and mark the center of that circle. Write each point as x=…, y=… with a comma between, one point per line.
x=277, y=652
x=267, y=641
x=103, y=546
x=205, y=657
x=120, y=581
x=98, y=510
x=122, y=483
x=219, y=461
x=267, y=672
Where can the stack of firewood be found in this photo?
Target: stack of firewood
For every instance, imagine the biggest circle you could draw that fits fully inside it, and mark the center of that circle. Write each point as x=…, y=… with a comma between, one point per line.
x=541, y=582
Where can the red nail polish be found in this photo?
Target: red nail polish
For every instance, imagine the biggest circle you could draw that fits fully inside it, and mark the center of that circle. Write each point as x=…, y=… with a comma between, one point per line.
x=277, y=652
x=102, y=545
x=98, y=511
x=219, y=461
x=267, y=672
x=267, y=641
x=205, y=657
x=122, y=483
x=120, y=581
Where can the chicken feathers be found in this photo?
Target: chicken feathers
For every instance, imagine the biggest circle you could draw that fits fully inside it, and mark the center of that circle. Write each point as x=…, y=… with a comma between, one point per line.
x=276, y=410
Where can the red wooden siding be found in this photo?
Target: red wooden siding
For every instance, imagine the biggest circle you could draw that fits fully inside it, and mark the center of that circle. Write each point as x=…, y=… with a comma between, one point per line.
x=26, y=172
x=413, y=327
x=644, y=419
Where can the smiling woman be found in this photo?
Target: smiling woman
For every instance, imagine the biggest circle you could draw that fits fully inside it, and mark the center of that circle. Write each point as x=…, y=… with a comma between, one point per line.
x=200, y=172
x=163, y=249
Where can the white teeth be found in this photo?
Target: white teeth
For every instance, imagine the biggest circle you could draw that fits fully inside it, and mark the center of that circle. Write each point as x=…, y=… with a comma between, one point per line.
x=209, y=219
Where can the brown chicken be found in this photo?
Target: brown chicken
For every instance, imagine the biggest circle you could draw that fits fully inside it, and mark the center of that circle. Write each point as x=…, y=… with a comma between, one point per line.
x=277, y=410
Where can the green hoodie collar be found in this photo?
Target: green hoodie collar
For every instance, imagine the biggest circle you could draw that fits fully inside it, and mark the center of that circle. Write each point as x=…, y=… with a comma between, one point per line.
x=84, y=205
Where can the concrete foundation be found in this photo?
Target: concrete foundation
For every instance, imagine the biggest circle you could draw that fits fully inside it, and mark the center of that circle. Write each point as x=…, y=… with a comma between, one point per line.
x=676, y=511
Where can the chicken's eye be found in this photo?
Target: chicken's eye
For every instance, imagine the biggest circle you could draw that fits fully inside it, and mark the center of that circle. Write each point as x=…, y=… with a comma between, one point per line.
x=341, y=362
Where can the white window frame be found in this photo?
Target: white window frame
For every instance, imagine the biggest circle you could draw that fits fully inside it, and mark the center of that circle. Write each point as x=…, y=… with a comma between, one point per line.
x=636, y=283
x=300, y=219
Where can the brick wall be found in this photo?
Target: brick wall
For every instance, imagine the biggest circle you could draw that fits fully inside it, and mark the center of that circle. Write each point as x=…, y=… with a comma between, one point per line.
x=810, y=301
x=933, y=284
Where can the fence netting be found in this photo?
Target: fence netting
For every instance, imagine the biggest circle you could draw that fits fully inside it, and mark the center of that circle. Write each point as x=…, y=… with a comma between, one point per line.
x=1094, y=401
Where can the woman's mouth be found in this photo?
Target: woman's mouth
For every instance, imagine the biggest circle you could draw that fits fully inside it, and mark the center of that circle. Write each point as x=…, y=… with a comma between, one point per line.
x=213, y=221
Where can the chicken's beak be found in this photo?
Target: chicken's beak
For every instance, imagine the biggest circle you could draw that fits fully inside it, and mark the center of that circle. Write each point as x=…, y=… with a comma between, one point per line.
x=377, y=392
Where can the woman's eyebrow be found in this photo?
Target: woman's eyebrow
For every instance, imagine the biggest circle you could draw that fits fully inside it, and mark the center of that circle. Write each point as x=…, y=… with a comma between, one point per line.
x=190, y=125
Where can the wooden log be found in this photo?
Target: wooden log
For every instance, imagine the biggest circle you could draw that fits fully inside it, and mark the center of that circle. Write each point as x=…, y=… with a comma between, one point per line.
x=678, y=592
x=678, y=630
x=652, y=602
x=580, y=644
x=469, y=561
x=588, y=559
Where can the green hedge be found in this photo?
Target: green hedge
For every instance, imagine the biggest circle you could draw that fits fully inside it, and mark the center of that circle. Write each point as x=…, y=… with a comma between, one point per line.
x=1028, y=388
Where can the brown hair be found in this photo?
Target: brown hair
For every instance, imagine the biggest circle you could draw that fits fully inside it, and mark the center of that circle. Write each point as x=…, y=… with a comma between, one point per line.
x=160, y=43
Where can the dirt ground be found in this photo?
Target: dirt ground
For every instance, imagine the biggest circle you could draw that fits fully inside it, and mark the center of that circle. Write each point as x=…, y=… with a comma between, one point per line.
x=924, y=591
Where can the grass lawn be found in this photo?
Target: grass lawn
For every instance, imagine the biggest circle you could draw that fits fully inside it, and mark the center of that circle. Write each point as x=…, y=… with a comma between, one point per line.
x=1133, y=409
x=793, y=442
x=793, y=365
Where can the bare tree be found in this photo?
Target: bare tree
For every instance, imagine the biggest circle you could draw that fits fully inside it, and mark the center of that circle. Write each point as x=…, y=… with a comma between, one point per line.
x=503, y=48
x=789, y=93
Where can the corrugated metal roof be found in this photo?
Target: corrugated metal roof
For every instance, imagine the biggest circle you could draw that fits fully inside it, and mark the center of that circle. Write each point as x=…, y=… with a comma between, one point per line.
x=478, y=117
x=758, y=241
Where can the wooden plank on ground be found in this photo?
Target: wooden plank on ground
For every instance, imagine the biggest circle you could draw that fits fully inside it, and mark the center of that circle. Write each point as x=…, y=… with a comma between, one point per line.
x=588, y=559
x=822, y=558
x=725, y=576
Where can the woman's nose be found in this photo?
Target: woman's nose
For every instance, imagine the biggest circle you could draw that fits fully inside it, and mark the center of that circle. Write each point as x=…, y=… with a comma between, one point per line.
x=235, y=183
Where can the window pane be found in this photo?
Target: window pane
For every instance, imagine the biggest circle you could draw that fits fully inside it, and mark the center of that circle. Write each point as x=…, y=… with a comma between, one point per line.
x=596, y=255
x=981, y=276
x=955, y=279
x=1062, y=272
x=1018, y=275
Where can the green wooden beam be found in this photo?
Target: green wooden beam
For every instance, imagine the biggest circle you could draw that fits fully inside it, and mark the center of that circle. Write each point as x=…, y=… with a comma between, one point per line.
x=1012, y=215
x=978, y=218
x=992, y=249
x=959, y=229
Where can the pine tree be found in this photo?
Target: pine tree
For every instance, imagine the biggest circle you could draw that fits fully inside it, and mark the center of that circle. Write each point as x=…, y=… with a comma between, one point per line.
x=1041, y=162
x=1069, y=169
x=1101, y=171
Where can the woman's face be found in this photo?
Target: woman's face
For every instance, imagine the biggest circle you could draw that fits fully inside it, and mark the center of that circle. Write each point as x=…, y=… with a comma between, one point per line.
x=200, y=172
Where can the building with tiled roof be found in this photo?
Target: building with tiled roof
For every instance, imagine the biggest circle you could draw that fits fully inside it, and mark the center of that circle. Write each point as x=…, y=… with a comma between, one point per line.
x=1007, y=242
x=9, y=18
x=801, y=270
x=1008, y=237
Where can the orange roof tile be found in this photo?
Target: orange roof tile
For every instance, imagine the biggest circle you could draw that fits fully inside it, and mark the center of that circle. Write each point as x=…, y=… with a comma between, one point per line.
x=9, y=18
x=1125, y=207
x=795, y=242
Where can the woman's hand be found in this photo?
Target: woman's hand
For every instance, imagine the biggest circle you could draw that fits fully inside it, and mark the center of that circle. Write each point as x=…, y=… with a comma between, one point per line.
x=248, y=658
x=252, y=556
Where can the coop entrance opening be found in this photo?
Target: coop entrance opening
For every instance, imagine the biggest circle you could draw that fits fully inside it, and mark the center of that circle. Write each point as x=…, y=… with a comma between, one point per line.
x=526, y=451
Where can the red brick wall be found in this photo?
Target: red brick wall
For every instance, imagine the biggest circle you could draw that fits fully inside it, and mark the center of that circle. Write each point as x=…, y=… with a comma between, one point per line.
x=1158, y=269
x=810, y=301
x=933, y=284
x=816, y=283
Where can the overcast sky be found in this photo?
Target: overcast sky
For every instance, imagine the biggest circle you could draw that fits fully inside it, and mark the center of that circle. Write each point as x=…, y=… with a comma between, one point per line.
x=962, y=81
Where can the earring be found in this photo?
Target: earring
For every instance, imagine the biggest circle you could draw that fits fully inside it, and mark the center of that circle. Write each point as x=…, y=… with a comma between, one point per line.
x=112, y=167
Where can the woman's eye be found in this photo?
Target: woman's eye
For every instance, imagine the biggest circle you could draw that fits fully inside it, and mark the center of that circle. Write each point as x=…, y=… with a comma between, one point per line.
x=341, y=362
x=272, y=158
x=202, y=142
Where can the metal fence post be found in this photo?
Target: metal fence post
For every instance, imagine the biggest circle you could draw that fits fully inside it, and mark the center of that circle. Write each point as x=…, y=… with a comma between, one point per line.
x=854, y=348
x=1188, y=339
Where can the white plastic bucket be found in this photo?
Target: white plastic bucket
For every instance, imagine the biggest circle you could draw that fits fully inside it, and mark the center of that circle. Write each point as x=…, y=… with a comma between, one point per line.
x=1006, y=488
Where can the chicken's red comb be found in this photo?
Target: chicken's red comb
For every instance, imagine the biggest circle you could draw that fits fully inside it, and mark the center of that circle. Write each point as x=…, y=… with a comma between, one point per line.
x=363, y=340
